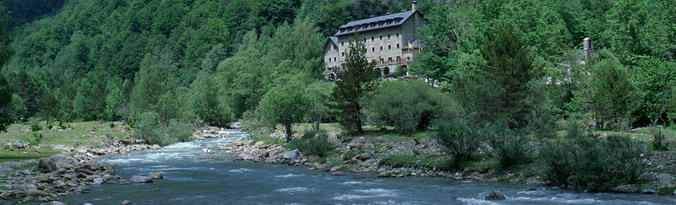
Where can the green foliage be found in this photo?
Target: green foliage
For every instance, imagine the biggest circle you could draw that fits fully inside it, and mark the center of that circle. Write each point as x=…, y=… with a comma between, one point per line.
x=285, y=104
x=609, y=94
x=460, y=137
x=659, y=139
x=319, y=97
x=36, y=139
x=151, y=129
x=6, y=91
x=35, y=124
x=407, y=105
x=510, y=67
x=655, y=78
x=357, y=77
x=114, y=104
x=593, y=164
x=509, y=147
x=205, y=103
x=317, y=145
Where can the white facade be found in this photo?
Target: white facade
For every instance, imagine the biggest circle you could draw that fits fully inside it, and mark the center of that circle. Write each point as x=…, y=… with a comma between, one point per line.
x=387, y=39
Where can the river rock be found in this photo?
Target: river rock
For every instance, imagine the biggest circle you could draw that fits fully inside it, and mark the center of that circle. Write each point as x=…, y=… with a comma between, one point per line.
x=337, y=173
x=141, y=179
x=97, y=181
x=33, y=192
x=47, y=165
x=649, y=191
x=156, y=175
x=44, y=179
x=123, y=182
x=627, y=188
x=126, y=202
x=53, y=203
x=291, y=154
x=496, y=195
x=364, y=156
x=383, y=174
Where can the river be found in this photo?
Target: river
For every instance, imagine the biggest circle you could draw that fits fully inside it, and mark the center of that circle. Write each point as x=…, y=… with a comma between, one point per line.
x=195, y=177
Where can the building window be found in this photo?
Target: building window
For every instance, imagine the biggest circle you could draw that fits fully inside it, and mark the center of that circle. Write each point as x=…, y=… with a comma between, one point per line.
x=381, y=48
x=381, y=37
x=397, y=45
x=329, y=60
x=334, y=58
x=342, y=43
x=388, y=36
x=389, y=47
x=373, y=49
x=343, y=53
x=382, y=61
x=397, y=35
x=364, y=40
x=398, y=58
x=408, y=58
x=389, y=60
x=372, y=38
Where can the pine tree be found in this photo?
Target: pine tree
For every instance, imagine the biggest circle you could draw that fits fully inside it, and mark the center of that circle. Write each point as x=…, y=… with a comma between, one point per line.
x=509, y=66
x=356, y=78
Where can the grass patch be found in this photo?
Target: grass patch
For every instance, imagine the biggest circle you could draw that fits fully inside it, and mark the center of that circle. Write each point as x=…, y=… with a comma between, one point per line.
x=20, y=155
x=78, y=133
x=432, y=162
x=666, y=191
x=304, y=127
x=265, y=138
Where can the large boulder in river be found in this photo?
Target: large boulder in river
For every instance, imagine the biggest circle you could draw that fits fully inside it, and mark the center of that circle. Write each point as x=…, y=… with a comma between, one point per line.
x=496, y=195
x=156, y=175
x=627, y=188
x=141, y=179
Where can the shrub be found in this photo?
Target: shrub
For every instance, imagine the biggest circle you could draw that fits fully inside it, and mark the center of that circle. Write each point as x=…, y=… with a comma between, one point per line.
x=407, y=105
x=150, y=128
x=586, y=162
x=36, y=139
x=35, y=125
x=112, y=125
x=460, y=138
x=659, y=140
x=509, y=147
x=318, y=145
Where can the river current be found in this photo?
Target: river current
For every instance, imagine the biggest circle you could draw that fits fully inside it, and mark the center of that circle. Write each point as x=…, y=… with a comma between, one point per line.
x=193, y=176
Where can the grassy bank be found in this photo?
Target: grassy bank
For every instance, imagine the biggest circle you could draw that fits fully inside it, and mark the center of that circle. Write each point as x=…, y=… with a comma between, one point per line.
x=72, y=134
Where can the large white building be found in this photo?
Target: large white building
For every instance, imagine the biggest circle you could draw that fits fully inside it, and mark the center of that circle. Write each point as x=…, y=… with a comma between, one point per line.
x=391, y=41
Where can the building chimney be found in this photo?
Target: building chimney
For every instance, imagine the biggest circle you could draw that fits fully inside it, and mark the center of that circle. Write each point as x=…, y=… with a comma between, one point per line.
x=414, y=6
x=588, y=48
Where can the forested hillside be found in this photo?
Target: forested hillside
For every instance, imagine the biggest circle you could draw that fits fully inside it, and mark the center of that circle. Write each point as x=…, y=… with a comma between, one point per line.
x=212, y=61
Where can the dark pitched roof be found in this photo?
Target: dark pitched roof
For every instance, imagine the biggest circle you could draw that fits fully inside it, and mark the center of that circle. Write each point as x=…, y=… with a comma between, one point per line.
x=334, y=40
x=374, y=23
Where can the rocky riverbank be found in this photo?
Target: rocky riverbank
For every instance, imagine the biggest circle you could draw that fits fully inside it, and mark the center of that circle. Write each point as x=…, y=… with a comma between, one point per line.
x=73, y=172
x=418, y=157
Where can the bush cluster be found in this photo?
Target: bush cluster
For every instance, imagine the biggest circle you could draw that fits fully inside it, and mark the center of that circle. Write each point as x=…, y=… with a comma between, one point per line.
x=593, y=164
x=408, y=105
x=316, y=145
x=151, y=129
x=461, y=139
x=509, y=147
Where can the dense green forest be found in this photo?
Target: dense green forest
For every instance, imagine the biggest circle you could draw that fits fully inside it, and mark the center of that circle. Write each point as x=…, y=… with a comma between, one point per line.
x=502, y=73
x=212, y=61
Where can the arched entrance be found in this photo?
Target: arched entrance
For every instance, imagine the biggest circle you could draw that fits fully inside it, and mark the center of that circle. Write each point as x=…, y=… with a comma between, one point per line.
x=386, y=70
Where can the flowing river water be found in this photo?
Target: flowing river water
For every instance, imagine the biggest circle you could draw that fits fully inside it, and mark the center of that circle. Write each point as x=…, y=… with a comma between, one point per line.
x=195, y=177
